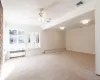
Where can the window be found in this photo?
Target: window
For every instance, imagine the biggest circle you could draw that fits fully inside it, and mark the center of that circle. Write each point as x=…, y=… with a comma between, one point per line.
x=12, y=36
x=16, y=36
x=16, y=39
x=20, y=36
x=34, y=40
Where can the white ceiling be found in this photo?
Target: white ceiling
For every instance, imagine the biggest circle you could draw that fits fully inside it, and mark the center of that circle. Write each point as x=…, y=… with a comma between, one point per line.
x=75, y=22
x=26, y=11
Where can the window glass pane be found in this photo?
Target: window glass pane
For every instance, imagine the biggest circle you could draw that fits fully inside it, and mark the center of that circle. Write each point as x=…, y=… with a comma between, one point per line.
x=13, y=32
x=13, y=39
x=20, y=39
x=34, y=40
x=37, y=38
x=20, y=36
x=12, y=36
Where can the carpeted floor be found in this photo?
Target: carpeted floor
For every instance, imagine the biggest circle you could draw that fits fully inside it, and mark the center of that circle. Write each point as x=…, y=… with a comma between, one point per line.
x=53, y=66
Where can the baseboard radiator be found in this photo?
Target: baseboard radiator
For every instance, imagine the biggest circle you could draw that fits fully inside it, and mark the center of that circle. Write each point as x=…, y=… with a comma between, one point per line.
x=54, y=50
x=17, y=53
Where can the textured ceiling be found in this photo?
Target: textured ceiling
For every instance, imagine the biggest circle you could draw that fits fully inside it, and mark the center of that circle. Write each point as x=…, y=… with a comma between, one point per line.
x=26, y=11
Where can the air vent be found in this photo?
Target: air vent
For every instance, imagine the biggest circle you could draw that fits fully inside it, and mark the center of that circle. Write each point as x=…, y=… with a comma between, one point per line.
x=80, y=3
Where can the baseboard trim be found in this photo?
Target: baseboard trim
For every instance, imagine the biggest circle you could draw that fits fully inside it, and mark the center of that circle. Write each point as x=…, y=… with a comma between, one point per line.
x=80, y=52
x=54, y=50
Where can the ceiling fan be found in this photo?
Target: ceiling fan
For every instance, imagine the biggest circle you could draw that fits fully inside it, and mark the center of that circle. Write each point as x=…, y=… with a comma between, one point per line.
x=43, y=15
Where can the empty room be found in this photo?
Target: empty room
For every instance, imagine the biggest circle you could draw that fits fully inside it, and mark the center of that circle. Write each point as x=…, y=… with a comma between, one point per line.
x=49, y=40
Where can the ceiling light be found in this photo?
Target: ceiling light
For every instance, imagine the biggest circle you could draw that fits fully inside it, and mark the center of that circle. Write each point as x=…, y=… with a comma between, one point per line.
x=85, y=21
x=62, y=28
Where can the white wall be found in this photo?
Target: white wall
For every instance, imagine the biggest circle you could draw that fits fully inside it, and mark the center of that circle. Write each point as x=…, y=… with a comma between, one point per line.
x=52, y=39
x=97, y=37
x=49, y=39
x=81, y=39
